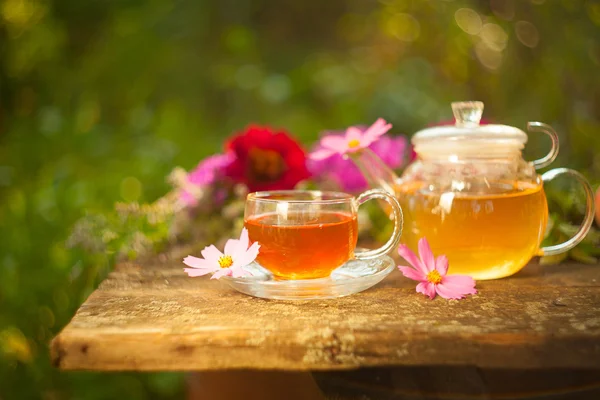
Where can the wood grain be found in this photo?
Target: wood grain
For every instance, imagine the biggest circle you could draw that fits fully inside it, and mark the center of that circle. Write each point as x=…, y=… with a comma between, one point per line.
x=152, y=317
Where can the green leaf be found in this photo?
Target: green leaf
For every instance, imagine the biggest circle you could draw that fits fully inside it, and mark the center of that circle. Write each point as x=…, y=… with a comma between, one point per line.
x=579, y=255
x=570, y=230
x=555, y=259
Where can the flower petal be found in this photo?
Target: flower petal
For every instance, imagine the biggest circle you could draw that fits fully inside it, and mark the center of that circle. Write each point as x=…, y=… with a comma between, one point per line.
x=353, y=133
x=441, y=265
x=236, y=248
x=196, y=262
x=321, y=154
x=448, y=293
x=427, y=288
x=378, y=128
x=412, y=258
x=426, y=255
x=412, y=273
x=364, y=142
x=239, y=272
x=231, y=247
x=456, y=286
x=221, y=273
x=460, y=282
x=392, y=150
x=336, y=143
x=211, y=254
x=210, y=169
x=244, y=239
x=247, y=257
x=194, y=272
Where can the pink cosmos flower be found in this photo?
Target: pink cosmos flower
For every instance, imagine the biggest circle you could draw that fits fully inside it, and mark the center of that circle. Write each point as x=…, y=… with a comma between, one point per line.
x=354, y=140
x=346, y=175
x=231, y=263
x=431, y=273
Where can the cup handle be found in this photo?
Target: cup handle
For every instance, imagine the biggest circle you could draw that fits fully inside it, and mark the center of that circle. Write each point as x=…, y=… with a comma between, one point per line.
x=587, y=220
x=398, y=222
x=551, y=156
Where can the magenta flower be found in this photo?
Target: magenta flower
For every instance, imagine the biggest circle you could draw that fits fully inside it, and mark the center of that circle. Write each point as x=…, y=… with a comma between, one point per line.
x=431, y=273
x=207, y=172
x=354, y=140
x=237, y=255
x=209, y=169
x=346, y=175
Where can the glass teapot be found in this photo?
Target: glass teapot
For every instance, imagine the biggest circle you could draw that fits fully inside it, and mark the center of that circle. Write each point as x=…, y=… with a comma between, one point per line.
x=474, y=197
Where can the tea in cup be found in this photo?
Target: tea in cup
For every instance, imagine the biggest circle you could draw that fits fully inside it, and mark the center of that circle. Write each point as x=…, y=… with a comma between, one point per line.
x=308, y=234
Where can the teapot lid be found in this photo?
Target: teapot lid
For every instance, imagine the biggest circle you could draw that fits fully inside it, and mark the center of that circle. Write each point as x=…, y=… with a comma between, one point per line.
x=467, y=128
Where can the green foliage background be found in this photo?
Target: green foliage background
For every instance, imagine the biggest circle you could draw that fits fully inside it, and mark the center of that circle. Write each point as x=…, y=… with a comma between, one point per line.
x=99, y=100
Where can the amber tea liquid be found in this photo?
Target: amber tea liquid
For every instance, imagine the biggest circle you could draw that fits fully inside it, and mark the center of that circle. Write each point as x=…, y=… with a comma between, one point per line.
x=303, y=246
x=486, y=236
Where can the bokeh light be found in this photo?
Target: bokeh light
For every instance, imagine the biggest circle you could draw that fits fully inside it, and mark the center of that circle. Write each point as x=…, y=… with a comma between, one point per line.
x=527, y=33
x=494, y=37
x=468, y=20
x=403, y=26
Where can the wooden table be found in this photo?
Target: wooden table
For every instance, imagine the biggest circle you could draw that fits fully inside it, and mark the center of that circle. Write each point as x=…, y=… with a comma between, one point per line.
x=148, y=317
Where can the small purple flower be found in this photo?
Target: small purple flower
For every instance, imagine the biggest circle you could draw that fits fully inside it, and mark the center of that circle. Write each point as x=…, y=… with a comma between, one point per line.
x=208, y=170
x=188, y=199
x=345, y=174
x=206, y=173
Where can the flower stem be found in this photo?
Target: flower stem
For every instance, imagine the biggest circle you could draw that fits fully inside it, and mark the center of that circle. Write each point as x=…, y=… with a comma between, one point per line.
x=374, y=170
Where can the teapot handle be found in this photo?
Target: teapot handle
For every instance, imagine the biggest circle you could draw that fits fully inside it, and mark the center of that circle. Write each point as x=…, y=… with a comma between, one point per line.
x=587, y=220
x=551, y=156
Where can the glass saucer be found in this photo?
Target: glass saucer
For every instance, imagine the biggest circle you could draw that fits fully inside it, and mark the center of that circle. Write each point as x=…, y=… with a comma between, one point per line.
x=352, y=277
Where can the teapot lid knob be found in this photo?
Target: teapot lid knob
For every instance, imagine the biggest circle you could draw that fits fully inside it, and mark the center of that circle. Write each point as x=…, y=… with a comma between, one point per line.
x=467, y=113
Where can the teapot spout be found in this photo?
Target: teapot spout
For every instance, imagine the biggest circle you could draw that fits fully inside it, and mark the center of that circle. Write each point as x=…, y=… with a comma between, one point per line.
x=375, y=171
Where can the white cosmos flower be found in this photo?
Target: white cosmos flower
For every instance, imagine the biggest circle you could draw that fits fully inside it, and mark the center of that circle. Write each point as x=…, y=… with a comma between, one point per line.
x=237, y=255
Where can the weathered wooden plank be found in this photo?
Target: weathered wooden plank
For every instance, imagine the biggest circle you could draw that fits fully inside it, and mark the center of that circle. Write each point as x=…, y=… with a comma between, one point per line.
x=155, y=318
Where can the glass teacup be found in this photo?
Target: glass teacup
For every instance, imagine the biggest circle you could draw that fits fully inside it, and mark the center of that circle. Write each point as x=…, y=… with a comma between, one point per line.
x=308, y=234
